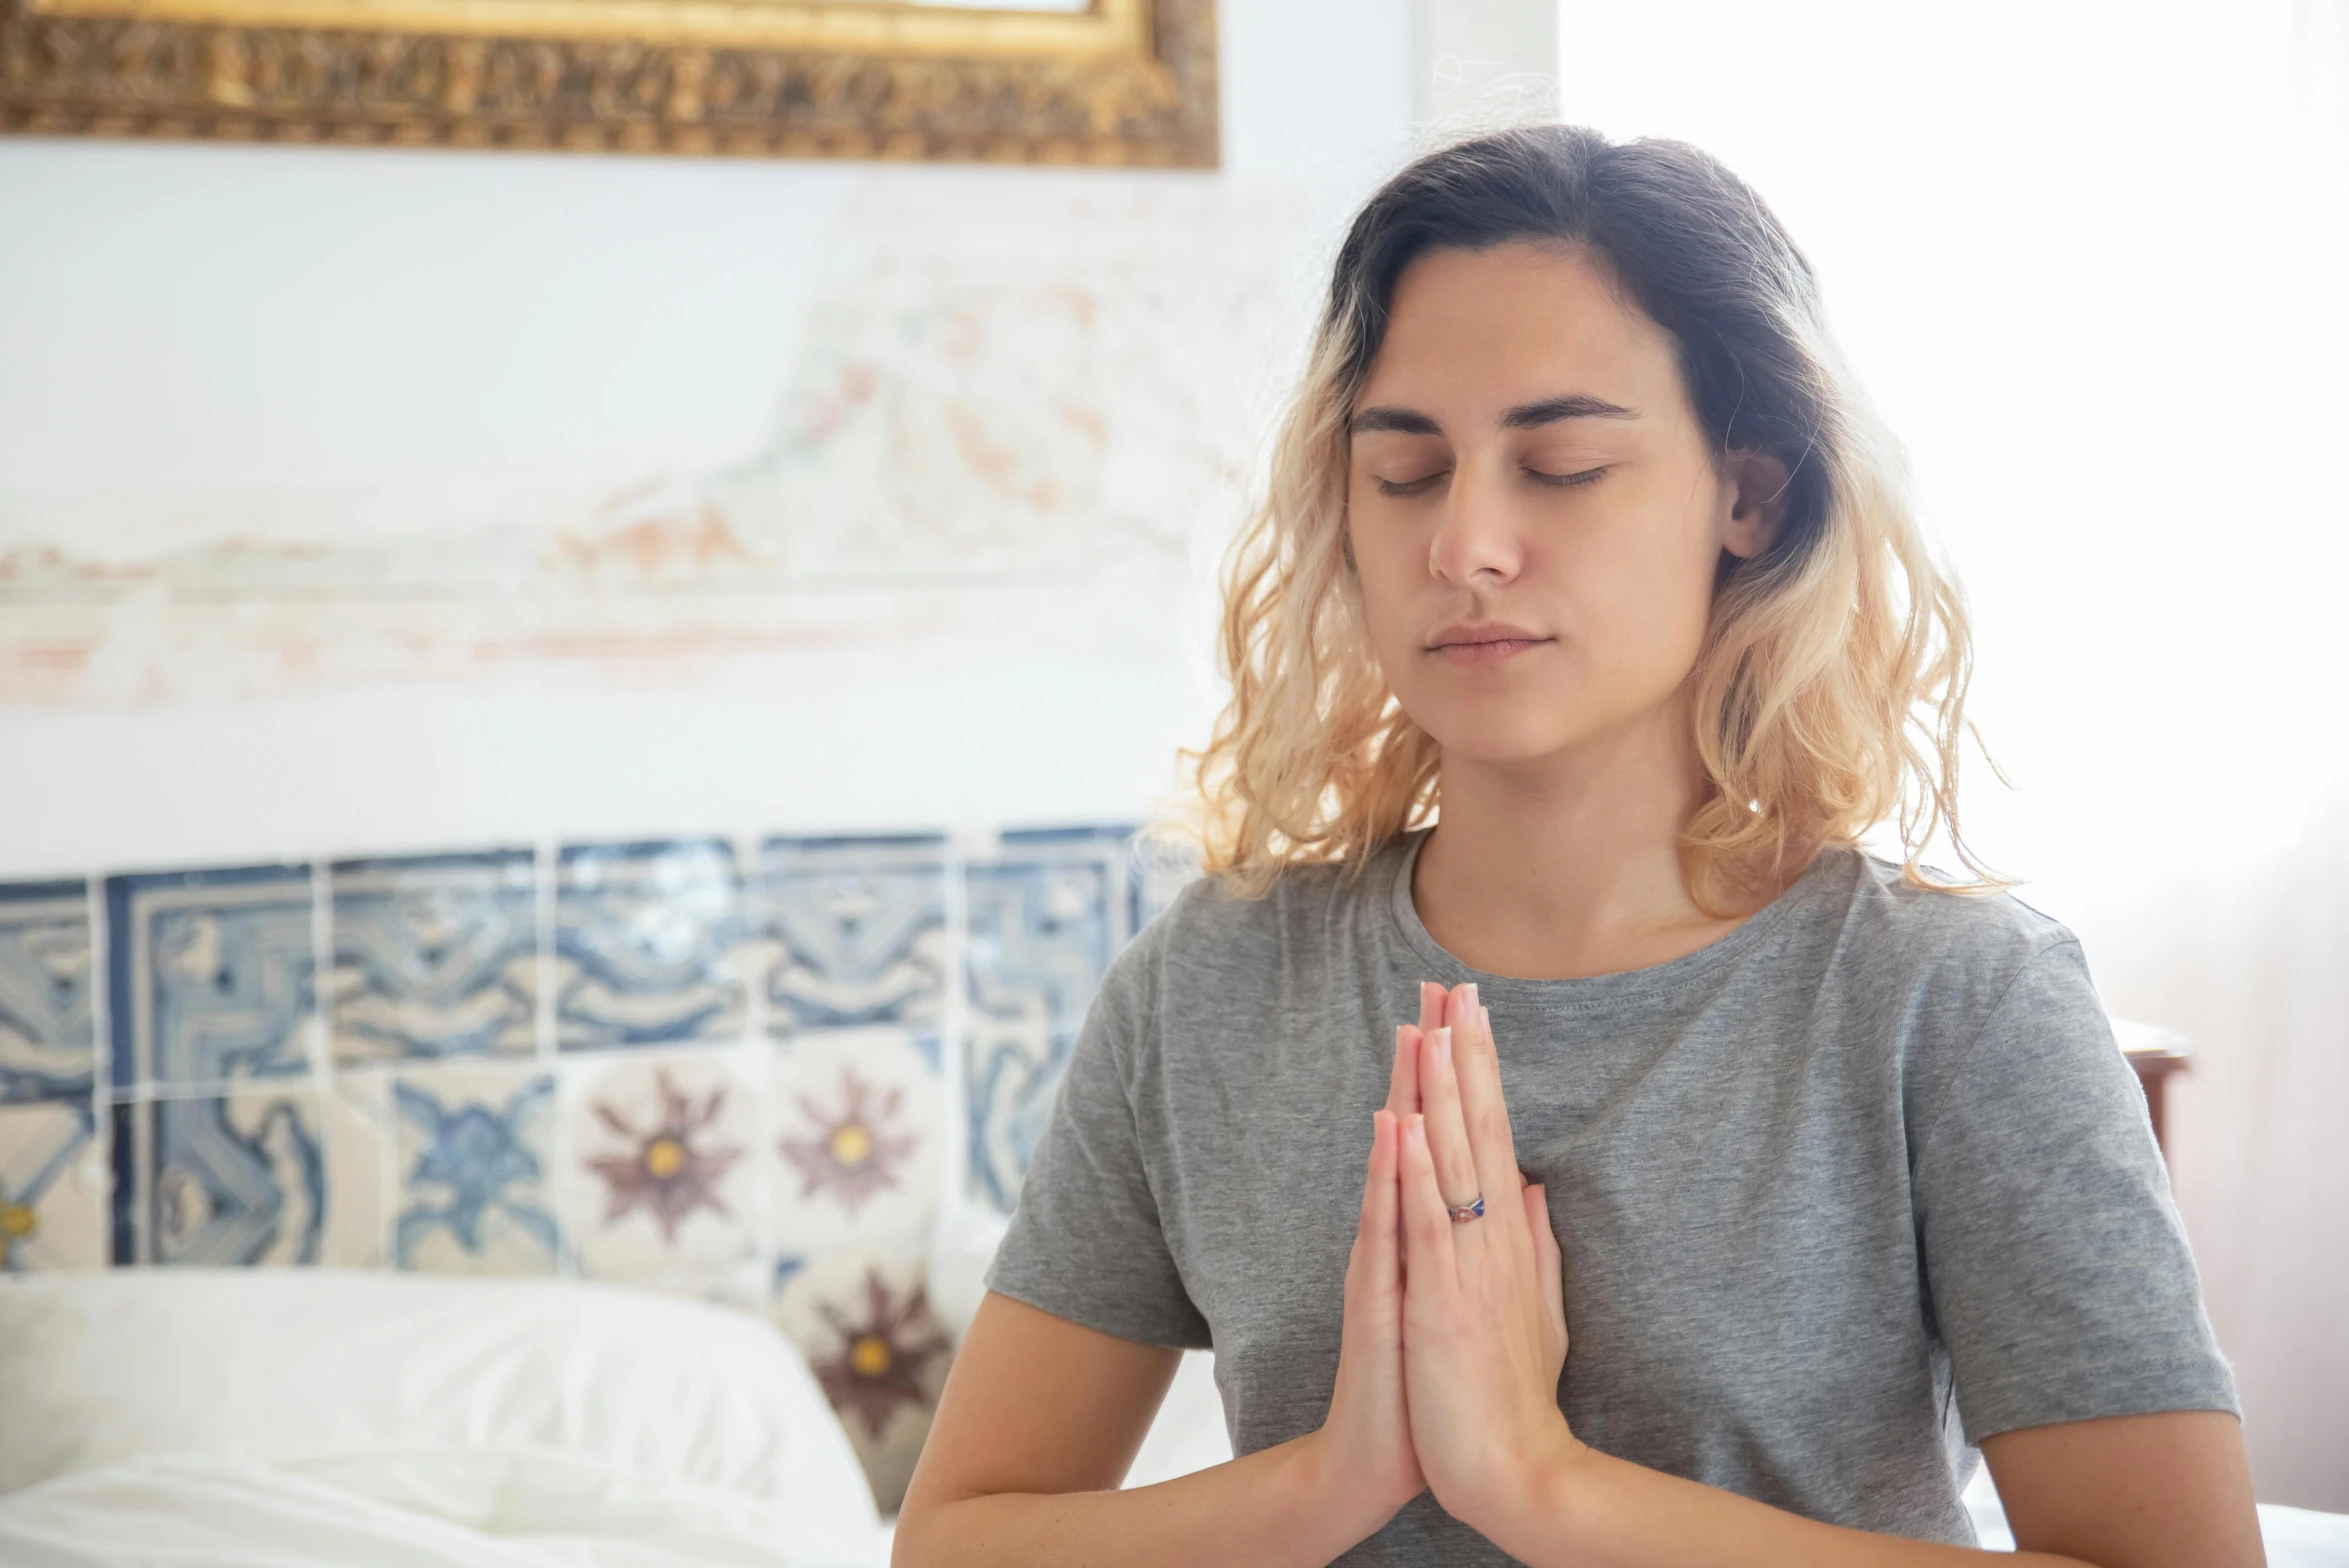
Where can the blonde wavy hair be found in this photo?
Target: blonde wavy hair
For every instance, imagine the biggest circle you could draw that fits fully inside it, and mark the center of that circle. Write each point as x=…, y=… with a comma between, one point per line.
x=1830, y=689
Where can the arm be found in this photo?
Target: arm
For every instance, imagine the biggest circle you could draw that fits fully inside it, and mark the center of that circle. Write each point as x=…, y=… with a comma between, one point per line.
x=1038, y=1423
x=1041, y=1417
x=1485, y=1337
x=2168, y=1490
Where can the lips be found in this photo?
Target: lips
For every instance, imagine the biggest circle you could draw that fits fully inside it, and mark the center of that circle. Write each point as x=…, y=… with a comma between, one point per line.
x=1486, y=644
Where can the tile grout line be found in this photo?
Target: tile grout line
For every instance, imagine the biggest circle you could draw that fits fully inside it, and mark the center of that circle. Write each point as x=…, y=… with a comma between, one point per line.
x=102, y=1102
x=318, y=1045
x=758, y=1057
x=962, y=851
x=545, y=867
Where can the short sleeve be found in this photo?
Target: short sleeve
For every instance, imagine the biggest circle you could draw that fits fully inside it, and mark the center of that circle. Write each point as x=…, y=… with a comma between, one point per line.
x=2060, y=1276
x=1086, y=1242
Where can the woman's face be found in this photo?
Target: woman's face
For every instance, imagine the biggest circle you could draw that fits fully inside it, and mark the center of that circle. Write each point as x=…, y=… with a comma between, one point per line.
x=1525, y=465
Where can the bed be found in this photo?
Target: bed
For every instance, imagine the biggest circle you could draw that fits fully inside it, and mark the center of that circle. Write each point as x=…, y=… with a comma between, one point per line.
x=250, y=1416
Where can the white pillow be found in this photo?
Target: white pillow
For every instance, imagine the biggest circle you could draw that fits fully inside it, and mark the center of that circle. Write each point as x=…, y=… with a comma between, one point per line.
x=501, y=1375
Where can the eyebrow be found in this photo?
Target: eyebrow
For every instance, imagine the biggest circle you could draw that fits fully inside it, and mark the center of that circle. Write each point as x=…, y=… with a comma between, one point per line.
x=1525, y=416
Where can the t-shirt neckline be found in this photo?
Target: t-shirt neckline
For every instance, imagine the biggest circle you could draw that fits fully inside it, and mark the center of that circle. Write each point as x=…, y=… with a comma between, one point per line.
x=1595, y=990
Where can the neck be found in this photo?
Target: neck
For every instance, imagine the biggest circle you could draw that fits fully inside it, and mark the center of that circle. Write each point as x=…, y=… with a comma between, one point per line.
x=1569, y=865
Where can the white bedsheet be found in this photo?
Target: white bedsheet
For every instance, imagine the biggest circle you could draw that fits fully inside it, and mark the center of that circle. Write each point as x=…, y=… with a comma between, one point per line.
x=237, y=1511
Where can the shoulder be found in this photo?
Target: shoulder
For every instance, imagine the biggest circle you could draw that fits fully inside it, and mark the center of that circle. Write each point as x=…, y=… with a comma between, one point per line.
x=1974, y=984
x=1978, y=942
x=1210, y=944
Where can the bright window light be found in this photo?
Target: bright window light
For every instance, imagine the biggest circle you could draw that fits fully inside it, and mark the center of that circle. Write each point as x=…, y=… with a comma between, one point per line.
x=2087, y=261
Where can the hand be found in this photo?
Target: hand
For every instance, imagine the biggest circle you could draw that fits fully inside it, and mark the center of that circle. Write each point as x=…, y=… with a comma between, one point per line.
x=1366, y=1437
x=1484, y=1314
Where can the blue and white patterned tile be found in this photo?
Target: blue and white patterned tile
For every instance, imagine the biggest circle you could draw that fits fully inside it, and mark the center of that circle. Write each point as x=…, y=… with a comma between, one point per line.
x=48, y=1040
x=474, y=1160
x=662, y=1176
x=861, y=1125
x=237, y=1179
x=861, y=1316
x=211, y=975
x=53, y=1186
x=1013, y=1069
x=861, y=928
x=434, y=956
x=651, y=944
x=1047, y=913
x=362, y=1169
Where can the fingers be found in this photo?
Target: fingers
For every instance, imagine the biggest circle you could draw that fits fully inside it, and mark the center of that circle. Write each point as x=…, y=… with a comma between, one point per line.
x=1447, y=1136
x=1431, y=1262
x=1550, y=1268
x=1369, y=1183
x=1381, y=1203
x=1547, y=1261
x=1403, y=1079
x=1476, y=1067
x=1373, y=1266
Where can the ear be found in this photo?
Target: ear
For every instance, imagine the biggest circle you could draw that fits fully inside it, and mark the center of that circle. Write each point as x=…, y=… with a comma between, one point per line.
x=1757, y=509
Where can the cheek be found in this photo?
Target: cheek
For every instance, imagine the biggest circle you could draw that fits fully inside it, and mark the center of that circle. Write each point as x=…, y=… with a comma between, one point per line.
x=1388, y=574
x=1637, y=591
x=1648, y=594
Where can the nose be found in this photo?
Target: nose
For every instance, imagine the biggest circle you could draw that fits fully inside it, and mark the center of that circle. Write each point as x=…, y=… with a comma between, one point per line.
x=1478, y=537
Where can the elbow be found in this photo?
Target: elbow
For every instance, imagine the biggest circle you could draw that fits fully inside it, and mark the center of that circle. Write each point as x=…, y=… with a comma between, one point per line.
x=925, y=1526
x=909, y=1547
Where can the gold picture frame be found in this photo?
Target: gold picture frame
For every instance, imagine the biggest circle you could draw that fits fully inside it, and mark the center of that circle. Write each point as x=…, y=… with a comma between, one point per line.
x=1121, y=82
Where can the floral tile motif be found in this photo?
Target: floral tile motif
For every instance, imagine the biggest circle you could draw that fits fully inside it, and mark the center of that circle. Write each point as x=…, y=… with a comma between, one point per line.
x=651, y=944
x=861, y=1123
x=1046, y=916
x=863, y=1320
x=434, y=956
x=474, y=1151
x=48, y=1041
x=52, y=1189
x=662, y=1172
x=211, y=975
x=861, y=925
x=236, y=1179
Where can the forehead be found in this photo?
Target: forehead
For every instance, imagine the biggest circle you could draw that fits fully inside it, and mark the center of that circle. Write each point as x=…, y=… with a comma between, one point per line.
x=1479, y=329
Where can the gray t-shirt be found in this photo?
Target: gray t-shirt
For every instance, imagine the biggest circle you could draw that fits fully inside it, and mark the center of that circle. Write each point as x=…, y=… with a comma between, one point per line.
x=1839, y=1195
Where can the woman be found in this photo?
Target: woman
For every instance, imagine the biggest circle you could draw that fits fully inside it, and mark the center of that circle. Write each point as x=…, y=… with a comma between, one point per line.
x=1577, y=532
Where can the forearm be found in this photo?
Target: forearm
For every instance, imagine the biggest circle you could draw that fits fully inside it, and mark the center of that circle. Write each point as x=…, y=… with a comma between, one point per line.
x=1275, y=1508
x=1595, y=1511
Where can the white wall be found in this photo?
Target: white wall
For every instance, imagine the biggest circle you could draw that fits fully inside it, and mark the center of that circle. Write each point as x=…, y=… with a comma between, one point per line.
x=198, y=341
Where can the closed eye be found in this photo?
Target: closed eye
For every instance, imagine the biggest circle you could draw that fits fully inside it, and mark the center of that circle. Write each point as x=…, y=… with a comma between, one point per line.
x=1409, y=486
x=1561, y=481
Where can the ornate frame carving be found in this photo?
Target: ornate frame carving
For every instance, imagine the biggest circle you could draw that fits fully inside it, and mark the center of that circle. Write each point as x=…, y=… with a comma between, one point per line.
x=1124, y=82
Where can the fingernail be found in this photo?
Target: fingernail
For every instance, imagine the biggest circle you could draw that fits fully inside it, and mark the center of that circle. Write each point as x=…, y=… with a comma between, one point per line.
x=1472, y=1004
x=1443, y=1043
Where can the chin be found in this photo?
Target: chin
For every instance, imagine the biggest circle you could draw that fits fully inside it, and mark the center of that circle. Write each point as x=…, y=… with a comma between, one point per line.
x=1502, y=737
